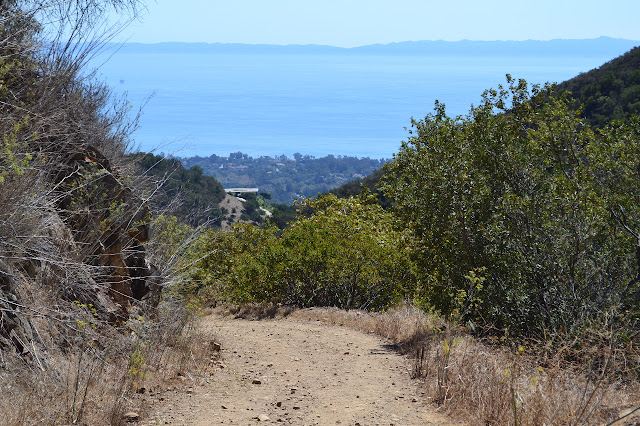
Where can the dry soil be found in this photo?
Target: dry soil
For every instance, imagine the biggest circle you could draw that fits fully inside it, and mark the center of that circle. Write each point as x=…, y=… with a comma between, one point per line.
x=302, y=373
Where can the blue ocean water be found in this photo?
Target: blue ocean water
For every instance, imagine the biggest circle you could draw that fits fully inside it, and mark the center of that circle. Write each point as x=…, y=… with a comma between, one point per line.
x=272, y=103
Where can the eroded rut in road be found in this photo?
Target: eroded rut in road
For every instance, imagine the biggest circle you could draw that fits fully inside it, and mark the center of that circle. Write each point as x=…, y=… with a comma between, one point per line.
x=302, y=373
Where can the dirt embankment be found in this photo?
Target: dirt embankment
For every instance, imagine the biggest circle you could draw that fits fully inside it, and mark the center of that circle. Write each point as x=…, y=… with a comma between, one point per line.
x=301, y=373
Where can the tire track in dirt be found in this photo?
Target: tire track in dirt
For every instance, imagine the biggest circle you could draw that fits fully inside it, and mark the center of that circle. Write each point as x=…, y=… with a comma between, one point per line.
x=302, y=373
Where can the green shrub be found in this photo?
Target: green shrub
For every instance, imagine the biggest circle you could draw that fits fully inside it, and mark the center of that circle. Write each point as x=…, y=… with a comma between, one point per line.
x=346, y=254
x=527, y=220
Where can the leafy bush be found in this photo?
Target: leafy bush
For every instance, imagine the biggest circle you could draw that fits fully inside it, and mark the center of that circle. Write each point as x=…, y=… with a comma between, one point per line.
x=527, y=220
x=346, y=254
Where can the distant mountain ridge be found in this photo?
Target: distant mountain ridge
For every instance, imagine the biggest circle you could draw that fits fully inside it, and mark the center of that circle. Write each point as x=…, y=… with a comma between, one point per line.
x=426, y=47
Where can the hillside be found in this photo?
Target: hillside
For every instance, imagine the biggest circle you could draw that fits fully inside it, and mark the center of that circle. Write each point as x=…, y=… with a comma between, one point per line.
x=284, y=179
x=185, y=193
x=86, y=301
x=507, y=265
x=610, y=92
x=69, y=195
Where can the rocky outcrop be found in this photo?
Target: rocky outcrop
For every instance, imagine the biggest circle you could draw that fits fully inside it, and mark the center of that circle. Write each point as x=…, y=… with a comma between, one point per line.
x=15, y=330
x=78, y=247
x=109, y=225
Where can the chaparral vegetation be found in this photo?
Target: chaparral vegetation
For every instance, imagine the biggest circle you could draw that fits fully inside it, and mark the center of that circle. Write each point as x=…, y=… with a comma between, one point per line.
x=500, y=249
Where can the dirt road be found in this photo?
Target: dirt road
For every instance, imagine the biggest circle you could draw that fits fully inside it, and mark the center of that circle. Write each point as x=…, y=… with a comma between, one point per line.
x=301, y=373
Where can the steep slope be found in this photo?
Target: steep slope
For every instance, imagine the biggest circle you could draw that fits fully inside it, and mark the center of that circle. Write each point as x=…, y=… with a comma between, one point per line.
x=74, y=223
x=609, y=92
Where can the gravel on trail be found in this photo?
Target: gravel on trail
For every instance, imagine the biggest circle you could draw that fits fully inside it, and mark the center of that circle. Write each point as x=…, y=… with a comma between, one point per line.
x=301, y=373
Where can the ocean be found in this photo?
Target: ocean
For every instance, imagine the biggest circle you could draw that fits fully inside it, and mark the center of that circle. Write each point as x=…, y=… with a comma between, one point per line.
x=208, y=101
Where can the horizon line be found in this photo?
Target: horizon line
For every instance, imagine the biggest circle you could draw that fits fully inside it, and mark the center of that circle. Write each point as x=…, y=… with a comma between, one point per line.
x=380, y=44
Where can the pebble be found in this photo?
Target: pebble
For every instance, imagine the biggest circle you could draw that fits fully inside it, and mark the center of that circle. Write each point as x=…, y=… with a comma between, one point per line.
x=131, y=417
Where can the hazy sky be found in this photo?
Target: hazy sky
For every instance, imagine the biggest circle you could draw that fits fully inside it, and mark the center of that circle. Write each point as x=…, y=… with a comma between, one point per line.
x=358, y=22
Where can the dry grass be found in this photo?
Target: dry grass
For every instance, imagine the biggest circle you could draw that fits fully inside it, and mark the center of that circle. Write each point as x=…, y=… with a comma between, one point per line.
x=97, y=387
x=256, y=311
x=484, y=384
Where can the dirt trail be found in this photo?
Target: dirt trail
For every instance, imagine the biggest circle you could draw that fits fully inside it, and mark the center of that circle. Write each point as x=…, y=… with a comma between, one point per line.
x=301, y=373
